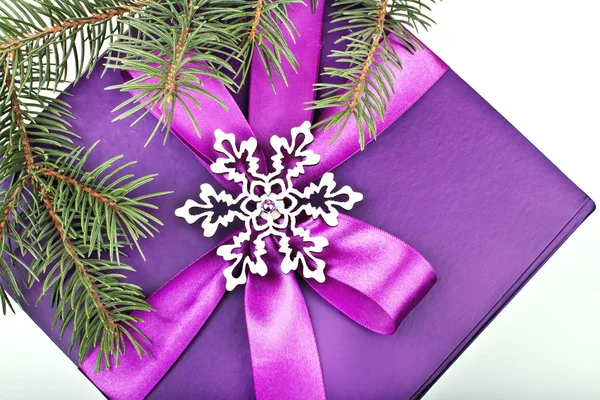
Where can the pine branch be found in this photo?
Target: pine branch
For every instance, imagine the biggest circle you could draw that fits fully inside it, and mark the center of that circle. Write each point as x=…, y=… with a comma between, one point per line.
x=89, y=287
x=52, y=32
x=42, y=34
x=266, y=38
x=65, y=225
x=363, y=85
x=91, y=291
x=176, y=44
x=260, y=26
x=173, y=47
x=256, y=20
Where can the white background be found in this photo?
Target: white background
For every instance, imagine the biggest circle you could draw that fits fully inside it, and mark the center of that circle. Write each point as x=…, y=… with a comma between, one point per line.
x=537, y=62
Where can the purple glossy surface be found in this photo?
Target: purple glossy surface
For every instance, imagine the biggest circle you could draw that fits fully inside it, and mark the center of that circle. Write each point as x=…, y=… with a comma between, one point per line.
x=451, y=177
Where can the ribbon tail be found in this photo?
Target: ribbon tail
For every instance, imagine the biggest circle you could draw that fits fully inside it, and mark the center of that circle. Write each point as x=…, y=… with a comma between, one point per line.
x=420, y=71
x=276, y=109
x=371, y=276
x=285, y=359
x=181, y=306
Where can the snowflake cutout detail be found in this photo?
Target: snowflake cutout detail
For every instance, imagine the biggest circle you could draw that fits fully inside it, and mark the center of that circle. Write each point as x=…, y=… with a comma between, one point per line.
x=269, y=206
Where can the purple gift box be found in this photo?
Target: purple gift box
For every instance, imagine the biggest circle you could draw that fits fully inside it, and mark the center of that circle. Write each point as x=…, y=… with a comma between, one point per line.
x=451, y=177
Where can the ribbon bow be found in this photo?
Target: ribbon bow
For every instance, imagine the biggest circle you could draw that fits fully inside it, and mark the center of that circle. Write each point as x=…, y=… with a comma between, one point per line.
x=370, y=276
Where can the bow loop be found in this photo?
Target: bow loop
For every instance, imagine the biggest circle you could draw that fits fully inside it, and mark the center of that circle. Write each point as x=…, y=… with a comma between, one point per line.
x=373, y=277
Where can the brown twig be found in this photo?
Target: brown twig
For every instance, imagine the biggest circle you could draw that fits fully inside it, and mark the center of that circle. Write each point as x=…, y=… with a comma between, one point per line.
x=30, y=163
x=31, y=168
x=53, y=174
x=371, y=55
x=20, y=122
x=16, y=43
x=78, y=265
x=11, y=205
x=256, y=19
x=171, y=82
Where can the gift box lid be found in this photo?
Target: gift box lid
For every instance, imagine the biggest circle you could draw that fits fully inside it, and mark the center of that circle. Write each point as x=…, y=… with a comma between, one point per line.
x=451, y=177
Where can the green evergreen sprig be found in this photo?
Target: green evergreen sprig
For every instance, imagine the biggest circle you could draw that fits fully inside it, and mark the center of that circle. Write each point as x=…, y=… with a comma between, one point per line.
x=173, y=48
x=259, y=27
x=367, y=63
x=66, y=227
x=59, y=35
x=174, y=45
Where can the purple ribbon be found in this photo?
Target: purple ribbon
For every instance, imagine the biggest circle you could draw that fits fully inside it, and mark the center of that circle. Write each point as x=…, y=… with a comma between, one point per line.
x=372, y=277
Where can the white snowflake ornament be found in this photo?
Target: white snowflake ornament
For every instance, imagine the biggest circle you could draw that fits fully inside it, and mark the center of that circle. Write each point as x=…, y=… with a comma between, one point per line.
x=269, y=206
